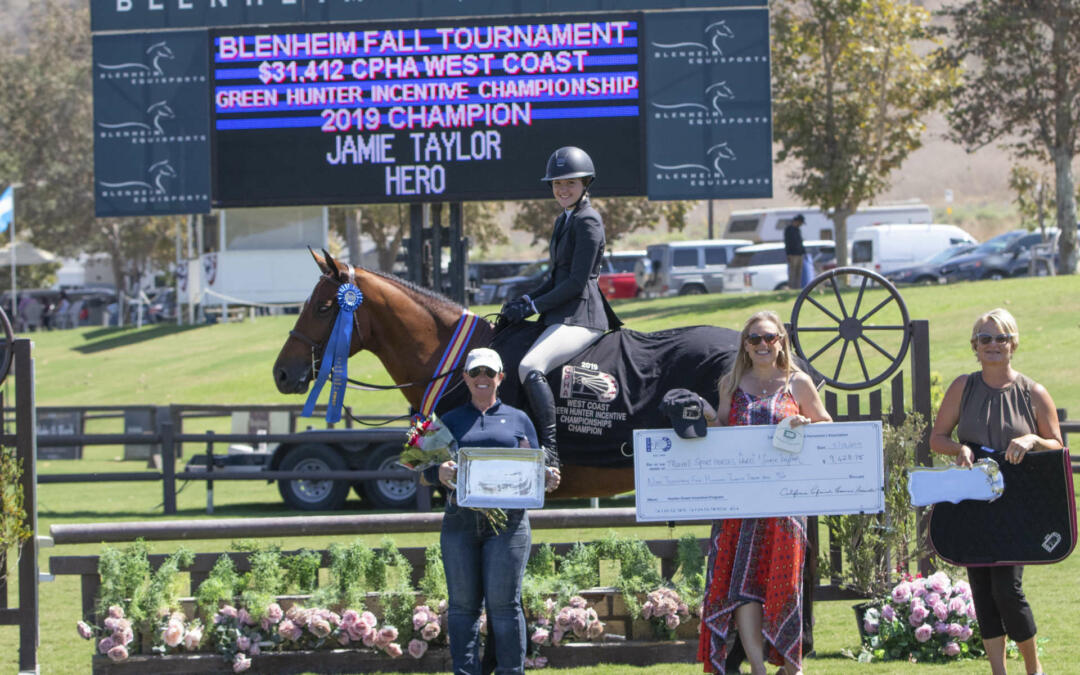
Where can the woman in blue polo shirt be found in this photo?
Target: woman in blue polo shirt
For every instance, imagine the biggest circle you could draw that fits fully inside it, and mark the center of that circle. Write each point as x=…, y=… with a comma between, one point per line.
x=483, y=565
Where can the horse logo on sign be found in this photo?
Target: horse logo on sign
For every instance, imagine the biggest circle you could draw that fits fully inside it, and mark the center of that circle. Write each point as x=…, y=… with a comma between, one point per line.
x=155, y=53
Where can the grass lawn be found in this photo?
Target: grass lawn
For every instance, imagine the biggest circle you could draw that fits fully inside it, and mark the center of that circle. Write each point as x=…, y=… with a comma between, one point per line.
x=230, y=364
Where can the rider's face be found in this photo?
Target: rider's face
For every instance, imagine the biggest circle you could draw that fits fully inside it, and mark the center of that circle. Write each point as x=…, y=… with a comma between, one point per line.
x=567, y=191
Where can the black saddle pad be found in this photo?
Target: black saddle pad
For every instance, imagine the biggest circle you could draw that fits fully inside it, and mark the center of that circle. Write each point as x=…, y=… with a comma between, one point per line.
x=616, y=385
x=1033, y=522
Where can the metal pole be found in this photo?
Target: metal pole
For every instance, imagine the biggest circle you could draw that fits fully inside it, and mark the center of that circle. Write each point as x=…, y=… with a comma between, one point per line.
x=26, y=444
x=190, y=273
x=710, y=220
x=163, y=417
x=176, y=279
x=209, y=470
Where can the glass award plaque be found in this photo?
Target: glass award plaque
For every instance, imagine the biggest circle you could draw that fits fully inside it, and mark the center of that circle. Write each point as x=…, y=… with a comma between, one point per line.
x=508, y=478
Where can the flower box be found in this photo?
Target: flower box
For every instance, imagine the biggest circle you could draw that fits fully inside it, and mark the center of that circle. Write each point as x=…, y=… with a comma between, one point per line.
x=277, y=663
x=571, y=655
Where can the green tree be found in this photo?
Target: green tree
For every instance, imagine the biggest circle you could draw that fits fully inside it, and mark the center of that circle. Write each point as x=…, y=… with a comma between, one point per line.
x=851, y=87
x=388, y=224
x=46, y=143
x=1033, y=196
x=1022, y=88
x=622, y=215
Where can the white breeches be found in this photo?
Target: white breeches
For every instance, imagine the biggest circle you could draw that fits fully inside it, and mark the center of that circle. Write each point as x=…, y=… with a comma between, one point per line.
x=556, y=345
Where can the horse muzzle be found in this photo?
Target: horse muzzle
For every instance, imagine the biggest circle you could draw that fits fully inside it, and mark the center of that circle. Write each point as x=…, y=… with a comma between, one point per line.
x=292, y=380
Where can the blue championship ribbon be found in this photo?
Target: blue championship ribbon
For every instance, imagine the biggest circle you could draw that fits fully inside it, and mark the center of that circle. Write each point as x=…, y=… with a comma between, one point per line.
x=335, y=358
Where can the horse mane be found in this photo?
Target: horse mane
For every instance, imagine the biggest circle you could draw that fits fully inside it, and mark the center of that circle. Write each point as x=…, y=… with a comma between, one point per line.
x=430, y=299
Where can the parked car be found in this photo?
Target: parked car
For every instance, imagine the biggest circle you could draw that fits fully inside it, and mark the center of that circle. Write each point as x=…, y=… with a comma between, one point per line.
x=498, y=291
x=929, y=270
x=617, y=278
x=884, y=248
x=763, y=267
x=484, y=271
x=1005, y=255
x=686, y=267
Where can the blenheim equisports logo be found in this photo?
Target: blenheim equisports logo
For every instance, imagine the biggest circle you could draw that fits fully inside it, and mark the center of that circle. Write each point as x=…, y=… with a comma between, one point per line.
x=153, y=190
x=150, y=131
x=717, y=36
x=718, y=153
x=150, y=70
x=708, y=173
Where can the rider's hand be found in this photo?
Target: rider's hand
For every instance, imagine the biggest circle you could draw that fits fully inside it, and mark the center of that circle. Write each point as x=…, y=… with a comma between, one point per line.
x=515, y=311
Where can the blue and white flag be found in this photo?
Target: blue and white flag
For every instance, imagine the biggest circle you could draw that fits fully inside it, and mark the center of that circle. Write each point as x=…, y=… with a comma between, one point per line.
x=7, y=208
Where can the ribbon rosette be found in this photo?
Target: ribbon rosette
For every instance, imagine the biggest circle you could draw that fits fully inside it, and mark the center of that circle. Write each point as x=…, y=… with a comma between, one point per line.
x=335, y=361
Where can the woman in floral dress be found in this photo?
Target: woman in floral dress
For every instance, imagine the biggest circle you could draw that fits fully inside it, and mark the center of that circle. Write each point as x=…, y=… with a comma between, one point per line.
x=754, y=574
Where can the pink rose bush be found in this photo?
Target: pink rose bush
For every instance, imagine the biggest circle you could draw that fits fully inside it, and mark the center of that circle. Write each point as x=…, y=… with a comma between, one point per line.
x=554, y=626
x=665, y=611
x=922, y=619
x=117, y=634
x=428, y=630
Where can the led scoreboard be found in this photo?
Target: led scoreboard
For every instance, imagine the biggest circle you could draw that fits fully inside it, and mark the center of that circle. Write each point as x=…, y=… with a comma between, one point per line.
x=201, y=104
x=422, y=111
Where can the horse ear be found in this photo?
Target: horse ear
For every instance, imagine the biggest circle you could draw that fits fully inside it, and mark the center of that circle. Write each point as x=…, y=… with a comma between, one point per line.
x=333, y=265
x=320, y=261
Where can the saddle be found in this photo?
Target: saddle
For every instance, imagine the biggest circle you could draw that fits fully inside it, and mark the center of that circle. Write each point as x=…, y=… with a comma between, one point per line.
x=616, y=384
x=1033, y=522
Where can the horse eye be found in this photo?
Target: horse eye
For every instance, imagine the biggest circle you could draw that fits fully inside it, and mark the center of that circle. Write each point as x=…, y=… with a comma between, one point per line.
x=325, y=307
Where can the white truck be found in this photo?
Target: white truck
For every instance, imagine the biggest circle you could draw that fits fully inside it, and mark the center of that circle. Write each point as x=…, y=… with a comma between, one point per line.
x=762, y=225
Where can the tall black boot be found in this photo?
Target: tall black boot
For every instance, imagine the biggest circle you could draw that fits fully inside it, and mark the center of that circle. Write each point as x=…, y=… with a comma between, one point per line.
x=542, y=403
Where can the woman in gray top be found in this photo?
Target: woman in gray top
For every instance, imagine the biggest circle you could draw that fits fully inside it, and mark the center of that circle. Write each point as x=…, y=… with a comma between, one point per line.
x=1001, y=409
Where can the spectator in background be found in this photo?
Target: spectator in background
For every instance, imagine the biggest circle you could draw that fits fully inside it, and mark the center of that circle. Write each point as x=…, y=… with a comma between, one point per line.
x=793, y=247
x=62, y=312
x=75, y=314
x=21, y=323
x=33, y=313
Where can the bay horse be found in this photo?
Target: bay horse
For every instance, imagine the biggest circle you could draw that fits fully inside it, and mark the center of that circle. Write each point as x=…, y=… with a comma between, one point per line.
x=407, y=328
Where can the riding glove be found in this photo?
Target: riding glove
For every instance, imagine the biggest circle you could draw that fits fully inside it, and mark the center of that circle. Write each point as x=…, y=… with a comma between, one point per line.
x=517, y=310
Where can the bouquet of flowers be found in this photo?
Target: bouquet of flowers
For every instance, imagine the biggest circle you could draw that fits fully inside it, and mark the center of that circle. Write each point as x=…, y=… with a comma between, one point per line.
x=665, y=610
x=931, y=619
x=427, y=443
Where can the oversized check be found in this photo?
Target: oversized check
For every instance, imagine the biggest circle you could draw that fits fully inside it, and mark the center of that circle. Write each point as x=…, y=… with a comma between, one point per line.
x=735, y=472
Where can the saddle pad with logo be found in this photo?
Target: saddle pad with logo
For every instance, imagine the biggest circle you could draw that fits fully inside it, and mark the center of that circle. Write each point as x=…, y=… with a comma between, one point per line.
x=1033, y=522
x=617, y=384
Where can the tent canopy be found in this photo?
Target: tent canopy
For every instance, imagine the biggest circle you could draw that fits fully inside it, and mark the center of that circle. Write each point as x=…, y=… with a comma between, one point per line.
x=26, y=254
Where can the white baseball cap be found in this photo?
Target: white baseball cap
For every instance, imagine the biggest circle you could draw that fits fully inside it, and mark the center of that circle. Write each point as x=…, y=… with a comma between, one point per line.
x=482, y=356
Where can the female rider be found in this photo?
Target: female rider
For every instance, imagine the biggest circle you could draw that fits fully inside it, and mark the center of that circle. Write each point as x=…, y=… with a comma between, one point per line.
x=569, y=302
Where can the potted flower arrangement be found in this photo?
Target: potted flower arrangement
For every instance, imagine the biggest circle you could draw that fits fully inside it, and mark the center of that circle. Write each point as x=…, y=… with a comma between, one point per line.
x=923, y=619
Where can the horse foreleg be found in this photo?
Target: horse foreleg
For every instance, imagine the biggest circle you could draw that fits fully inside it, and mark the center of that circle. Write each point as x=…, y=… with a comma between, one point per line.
x=593, y=481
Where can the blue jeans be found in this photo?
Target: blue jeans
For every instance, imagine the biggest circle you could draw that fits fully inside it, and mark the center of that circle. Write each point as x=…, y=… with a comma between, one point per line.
x=485, y=567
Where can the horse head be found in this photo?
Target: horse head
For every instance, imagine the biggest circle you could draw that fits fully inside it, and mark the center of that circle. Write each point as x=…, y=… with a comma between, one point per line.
x=406, y=327
x=158, y=51
x=160, y=111
x=719, y=91
x=300, y=355
x=717, y=30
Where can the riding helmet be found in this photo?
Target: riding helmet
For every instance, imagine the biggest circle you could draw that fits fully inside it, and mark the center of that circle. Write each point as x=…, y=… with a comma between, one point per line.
x=569, y=162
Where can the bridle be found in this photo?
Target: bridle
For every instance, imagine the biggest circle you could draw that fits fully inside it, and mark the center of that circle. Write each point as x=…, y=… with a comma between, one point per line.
x=318, y=348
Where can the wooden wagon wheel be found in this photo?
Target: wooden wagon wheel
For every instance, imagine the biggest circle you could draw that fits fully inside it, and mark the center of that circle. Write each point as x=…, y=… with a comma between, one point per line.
x=851, y=327
x=6, y=345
